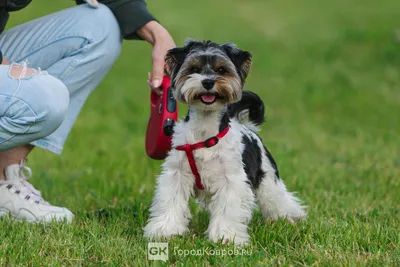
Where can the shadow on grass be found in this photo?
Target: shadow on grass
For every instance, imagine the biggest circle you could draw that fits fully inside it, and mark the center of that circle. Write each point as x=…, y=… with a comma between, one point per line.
x=111, y=214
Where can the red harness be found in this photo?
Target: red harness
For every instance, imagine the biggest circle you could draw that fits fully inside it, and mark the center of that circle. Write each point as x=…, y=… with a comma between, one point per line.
x=210, y=142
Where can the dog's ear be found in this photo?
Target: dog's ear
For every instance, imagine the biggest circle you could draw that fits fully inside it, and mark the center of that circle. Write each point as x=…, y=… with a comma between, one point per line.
x=174, y=60
x=240, y=58
x=176, y=56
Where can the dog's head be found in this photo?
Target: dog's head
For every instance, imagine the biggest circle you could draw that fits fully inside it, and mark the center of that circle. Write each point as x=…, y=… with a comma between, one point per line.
x=208, y=75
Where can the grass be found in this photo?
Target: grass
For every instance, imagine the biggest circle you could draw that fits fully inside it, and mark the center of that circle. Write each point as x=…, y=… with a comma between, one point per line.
x=328, y=72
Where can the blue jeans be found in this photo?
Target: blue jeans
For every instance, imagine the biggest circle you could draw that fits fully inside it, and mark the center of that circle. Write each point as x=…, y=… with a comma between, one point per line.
x=76, y=48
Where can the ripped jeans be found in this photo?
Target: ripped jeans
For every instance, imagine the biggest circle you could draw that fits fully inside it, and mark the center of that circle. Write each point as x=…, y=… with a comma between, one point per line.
x=72, y=51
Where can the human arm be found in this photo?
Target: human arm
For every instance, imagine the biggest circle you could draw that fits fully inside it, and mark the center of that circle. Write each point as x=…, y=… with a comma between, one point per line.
x=137, y=23
x=161, y=41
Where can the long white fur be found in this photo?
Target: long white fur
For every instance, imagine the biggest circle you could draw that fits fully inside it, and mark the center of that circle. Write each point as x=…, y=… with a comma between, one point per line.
x=228, y=197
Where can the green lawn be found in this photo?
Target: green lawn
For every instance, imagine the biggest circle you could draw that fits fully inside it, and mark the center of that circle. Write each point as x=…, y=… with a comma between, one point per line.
x=329, y=74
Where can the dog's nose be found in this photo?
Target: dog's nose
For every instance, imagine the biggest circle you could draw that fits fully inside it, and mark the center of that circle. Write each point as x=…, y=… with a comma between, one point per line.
x=208, y=84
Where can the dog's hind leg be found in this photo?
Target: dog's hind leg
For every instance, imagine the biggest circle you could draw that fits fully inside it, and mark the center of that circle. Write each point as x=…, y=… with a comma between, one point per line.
x=170, y=213
x=231, y=209
x=276, y=201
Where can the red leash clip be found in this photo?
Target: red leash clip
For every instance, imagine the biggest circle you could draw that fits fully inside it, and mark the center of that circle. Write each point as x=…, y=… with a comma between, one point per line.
x=163, y=115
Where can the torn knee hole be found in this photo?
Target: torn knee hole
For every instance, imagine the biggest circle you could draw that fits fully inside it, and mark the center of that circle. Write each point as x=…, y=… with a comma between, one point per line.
x=21, y=71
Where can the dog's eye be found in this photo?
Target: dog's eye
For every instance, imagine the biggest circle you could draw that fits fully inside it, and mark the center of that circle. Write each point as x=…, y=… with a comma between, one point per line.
x=194, y=70
x=222, y=70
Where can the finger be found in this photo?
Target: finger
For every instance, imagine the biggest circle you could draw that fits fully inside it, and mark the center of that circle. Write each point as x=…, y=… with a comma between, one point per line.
x=157, y=90
x=158, y=71
x=93, y=3
x=148, y=78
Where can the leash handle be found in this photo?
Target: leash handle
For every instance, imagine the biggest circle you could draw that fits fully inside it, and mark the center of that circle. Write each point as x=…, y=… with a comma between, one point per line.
x=163, y=115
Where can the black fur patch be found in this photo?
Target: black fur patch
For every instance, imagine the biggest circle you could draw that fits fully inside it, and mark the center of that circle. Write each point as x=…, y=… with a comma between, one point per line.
x=241, y=59
x=273, y=163
x=252, y=102
x=187, y=118
x=252, y=161
x=224, y=122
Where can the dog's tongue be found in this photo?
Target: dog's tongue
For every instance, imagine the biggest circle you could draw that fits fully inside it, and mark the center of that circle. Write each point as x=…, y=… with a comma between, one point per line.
x=208, y=98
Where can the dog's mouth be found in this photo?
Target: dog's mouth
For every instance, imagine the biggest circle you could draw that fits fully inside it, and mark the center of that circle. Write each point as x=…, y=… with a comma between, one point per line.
x=209, y=98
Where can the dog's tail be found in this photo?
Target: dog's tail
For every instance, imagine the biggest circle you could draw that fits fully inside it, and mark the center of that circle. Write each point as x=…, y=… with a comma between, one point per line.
x=249, y=111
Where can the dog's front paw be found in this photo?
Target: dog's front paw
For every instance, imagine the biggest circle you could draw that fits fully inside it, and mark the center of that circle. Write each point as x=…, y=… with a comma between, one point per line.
x=294, y=215
x=227, y=237
x=159, y=229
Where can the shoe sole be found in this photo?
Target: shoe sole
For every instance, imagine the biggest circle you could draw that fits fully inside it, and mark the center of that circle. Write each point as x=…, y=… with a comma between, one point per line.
x=67, y=219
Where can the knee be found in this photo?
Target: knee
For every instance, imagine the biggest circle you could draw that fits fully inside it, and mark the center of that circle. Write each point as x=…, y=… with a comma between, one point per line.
x=40, y=105
x=35, y=111
x=51, y=108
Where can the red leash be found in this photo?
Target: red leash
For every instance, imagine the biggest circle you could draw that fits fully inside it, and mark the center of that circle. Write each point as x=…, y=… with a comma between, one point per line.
x=210, y=142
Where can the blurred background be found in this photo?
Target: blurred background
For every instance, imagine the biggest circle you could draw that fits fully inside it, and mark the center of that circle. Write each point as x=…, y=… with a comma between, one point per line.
x=328, y=72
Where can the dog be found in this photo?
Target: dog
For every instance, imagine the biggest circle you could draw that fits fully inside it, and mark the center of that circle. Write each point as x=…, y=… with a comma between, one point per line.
x=216, y=152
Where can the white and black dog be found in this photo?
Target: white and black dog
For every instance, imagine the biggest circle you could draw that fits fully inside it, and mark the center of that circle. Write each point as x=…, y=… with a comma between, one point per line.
x=217, y=155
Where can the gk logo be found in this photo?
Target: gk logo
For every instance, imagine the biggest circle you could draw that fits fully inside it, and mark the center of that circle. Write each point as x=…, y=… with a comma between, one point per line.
x=157, y=251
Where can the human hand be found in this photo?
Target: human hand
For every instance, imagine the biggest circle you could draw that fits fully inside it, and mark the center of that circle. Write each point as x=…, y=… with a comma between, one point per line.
x=161, y=41
x=93, y=3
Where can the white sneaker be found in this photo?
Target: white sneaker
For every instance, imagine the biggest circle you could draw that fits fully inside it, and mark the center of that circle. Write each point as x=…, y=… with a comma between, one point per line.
x=20, y=199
